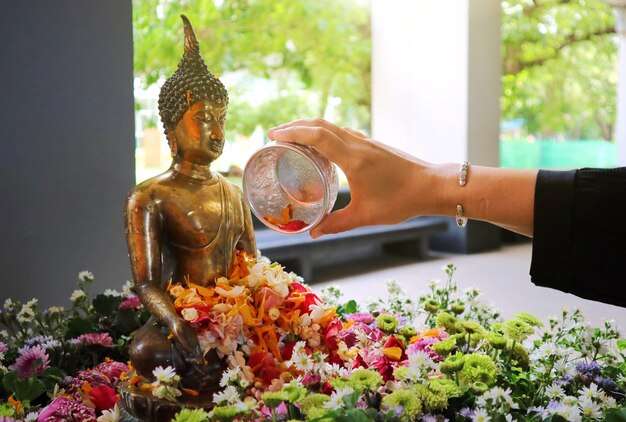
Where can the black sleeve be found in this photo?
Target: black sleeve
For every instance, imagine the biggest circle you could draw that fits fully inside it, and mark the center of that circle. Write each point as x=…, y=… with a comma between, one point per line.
x=579, y=240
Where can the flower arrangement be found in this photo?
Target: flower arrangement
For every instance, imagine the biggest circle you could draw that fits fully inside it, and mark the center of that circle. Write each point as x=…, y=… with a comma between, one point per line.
x=294, y=355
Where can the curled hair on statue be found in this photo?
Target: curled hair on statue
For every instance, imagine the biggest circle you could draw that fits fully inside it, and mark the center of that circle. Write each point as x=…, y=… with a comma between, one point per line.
x=192, y=82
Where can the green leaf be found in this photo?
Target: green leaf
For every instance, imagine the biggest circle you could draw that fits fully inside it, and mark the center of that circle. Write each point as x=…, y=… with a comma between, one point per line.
x=126, y=320
x=28, y=389
x=77, y=326
x=621, y=344
x=106, y=305
x=54, y=374
x=616, y=415
x=347, y=308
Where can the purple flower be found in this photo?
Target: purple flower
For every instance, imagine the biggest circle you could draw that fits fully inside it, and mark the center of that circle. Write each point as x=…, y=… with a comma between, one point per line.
x=590, y=368
x=605, y=383
x=46, y=342
x=363, y=318
x=466, y=412
x=65, y=410
x=132, y=302
x=32, y=361
x=3, y=347
x=94, y=339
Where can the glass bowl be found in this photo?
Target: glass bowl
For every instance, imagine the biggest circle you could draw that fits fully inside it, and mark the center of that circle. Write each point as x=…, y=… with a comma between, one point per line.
x=290, y=187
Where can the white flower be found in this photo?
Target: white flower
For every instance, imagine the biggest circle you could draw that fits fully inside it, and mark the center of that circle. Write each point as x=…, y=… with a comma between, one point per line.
x=229, y=395
x=554, y=391
x=85, y=276
x=570, y=413
x=336, y=399
x=590, y=392
x=126, y=288
x=4, y=334
x=76, y=295
x=112, y=293
x=26, y=314
x=589, y=408
x=53, y=310
x=112, y=415
x=234, y=292
x=164, y=375
x=166, y=391
x=230, y=375
x=189, y=314
x=609, y=402
x=480, y=415
x=8, y=304
x=302, y=362
x=433, y=283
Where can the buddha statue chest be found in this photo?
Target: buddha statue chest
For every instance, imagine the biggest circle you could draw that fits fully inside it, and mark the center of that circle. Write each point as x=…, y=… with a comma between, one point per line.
x=193, y=215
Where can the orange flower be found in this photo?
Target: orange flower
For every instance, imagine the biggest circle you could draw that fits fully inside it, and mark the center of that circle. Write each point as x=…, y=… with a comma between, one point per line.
x=393, y=353
x=17, y=405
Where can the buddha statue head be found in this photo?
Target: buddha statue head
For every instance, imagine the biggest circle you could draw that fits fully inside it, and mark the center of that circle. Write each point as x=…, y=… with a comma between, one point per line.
x=192, y=105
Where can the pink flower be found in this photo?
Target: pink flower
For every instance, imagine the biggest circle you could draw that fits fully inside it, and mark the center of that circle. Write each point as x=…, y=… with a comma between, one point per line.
x=132, y=302
x=94, y=339
x=3, y=347
x=65, y=410
x=33, y=360
x=363, y=318
x=112, y=369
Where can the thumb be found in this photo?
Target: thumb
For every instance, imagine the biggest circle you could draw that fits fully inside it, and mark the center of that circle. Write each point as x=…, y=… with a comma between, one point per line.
x=336, y=222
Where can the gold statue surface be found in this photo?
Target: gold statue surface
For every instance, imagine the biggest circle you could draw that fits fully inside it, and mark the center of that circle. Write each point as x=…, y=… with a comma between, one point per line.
x=185, y=223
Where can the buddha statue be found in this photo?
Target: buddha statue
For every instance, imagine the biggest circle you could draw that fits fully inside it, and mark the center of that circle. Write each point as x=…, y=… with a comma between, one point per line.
x=185, y=223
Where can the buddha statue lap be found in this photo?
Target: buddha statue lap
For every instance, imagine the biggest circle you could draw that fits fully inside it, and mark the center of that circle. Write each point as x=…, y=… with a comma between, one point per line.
x=185, y=223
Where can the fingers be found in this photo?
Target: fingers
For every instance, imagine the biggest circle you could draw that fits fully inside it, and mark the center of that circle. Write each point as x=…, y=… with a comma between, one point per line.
x=326, y=142
x=336, y=222
x=356, y=133
x=306, y=122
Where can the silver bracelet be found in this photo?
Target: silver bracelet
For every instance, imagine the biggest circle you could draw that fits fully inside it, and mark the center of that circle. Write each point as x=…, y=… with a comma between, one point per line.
x=461, y=220
x=463, y=173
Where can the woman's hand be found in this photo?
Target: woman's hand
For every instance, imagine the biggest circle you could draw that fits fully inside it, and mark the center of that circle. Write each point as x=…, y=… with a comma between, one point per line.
x=387, y=186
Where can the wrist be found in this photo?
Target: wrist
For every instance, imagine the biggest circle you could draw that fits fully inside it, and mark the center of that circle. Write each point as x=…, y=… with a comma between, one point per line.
x=444, y=192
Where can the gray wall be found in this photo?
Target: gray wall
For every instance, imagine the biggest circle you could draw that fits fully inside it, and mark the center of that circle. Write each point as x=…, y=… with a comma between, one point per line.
x=67, y=157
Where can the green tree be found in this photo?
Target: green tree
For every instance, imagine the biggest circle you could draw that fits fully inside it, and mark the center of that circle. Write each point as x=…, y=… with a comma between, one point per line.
x=560, y=67
x=301, y=53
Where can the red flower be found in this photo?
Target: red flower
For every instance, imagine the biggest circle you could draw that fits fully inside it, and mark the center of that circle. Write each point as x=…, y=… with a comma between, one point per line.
x=103, y=397
x=392, y=341
x=332, y=330
x=385, y=368
x=263, y=366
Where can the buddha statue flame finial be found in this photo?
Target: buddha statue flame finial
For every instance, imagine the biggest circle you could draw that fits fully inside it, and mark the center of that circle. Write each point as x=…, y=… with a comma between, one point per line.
x=191, y=82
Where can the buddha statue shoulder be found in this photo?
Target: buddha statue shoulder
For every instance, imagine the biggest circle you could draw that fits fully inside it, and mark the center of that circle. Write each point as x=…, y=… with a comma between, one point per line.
x=186, y=223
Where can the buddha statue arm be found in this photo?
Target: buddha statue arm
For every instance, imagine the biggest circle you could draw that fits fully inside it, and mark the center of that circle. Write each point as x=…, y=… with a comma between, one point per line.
x=143, y=235
x=247, y=241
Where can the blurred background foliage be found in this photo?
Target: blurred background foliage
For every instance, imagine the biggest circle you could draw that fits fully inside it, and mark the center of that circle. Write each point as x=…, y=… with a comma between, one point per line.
x=280, y=59
x=560, y=67
x=288, y=59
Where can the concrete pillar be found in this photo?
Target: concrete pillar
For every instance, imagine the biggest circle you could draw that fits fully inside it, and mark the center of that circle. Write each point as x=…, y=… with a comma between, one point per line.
x=436, y=83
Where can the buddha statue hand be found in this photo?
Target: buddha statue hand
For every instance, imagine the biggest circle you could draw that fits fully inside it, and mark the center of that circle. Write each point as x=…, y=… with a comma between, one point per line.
x=187, y=343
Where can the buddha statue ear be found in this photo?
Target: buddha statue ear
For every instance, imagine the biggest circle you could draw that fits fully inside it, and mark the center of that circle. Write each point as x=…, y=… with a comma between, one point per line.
x=171, y=140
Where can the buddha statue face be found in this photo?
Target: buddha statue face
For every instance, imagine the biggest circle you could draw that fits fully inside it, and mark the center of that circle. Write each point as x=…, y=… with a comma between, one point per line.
x=199, y=135
x=192, y=105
